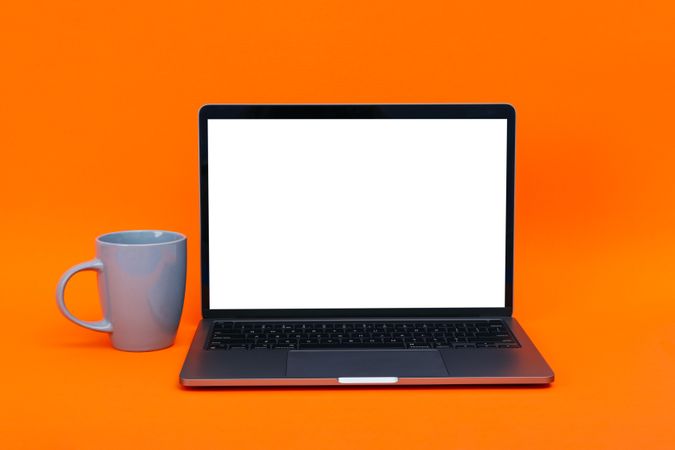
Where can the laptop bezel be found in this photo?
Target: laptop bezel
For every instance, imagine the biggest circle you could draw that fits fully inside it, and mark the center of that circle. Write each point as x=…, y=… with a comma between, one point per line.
x=355, y=111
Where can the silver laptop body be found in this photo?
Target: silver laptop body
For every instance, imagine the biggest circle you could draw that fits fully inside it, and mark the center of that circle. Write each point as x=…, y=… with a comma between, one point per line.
x=358, y=245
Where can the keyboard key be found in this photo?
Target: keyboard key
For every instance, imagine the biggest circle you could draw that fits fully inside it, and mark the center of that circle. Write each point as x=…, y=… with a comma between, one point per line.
x=348, y=345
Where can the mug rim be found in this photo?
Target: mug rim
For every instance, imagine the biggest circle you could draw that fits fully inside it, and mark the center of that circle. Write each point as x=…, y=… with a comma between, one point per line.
x=178, y=238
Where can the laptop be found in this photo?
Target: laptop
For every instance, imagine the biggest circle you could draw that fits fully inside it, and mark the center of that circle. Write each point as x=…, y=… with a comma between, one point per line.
x=358, y=245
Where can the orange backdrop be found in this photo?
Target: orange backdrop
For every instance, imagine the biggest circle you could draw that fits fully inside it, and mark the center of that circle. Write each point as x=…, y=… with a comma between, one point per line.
x=98, y=132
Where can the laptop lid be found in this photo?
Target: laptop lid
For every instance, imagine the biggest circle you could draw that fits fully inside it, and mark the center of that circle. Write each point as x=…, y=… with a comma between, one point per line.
x=321, y=211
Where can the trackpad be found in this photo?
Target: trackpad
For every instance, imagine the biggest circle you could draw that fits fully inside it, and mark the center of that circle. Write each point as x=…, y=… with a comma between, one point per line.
x=365, y=363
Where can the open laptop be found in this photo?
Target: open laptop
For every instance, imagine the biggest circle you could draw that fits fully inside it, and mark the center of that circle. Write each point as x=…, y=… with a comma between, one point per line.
x=358, y=244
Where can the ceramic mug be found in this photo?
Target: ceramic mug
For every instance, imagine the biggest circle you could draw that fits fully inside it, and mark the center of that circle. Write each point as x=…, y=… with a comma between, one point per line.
x=141, y=286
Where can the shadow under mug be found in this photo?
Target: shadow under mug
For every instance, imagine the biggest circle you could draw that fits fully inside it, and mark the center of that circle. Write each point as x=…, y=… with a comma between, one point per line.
x=141, y=286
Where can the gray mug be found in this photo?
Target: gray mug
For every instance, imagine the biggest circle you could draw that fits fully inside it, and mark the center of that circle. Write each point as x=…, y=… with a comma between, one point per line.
x=141, y=285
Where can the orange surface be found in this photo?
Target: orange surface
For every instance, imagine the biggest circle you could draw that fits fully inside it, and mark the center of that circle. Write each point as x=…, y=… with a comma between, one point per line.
x=98, y=132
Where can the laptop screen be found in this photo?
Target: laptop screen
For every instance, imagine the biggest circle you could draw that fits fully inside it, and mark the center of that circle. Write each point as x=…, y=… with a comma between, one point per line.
x=357, y=213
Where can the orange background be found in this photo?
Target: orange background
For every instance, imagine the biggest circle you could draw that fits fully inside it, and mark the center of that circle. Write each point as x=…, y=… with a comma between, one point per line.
x=98, y=132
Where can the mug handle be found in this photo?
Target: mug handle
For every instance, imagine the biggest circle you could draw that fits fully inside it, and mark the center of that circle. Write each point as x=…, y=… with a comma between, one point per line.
x=95, y=264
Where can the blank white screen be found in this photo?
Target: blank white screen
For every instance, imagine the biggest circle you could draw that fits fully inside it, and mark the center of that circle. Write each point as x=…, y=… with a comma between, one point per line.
x=357, y=213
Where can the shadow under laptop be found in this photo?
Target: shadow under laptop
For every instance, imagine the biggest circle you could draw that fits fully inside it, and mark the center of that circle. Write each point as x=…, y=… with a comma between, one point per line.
x=370, y=388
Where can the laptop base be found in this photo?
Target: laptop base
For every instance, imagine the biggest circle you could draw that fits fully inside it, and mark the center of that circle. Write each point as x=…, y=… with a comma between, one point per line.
x=377, y=367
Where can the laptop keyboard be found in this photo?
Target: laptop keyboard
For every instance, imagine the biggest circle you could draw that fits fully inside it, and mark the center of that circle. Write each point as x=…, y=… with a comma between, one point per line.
x=455, y=334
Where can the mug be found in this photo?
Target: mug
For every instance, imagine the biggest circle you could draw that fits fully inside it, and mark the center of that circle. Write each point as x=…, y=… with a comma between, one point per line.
x=141, y=286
